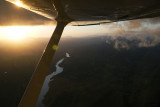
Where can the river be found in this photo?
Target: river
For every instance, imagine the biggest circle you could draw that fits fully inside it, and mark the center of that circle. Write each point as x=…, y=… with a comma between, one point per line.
x=45, y=87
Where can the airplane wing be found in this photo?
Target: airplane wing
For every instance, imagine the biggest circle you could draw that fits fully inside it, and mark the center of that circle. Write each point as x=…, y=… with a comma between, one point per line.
x=88, y=12
x=42, y=7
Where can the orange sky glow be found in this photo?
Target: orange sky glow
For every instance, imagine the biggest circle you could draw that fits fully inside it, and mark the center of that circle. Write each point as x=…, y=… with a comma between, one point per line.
x=20, y=33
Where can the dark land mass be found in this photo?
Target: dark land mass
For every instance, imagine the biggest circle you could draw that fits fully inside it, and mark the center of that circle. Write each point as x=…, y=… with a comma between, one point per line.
x=17, y=63
x=96, y=74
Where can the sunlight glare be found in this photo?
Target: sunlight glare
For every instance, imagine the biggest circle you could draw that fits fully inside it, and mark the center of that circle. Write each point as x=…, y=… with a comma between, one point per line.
x=15, y=33
x=18, y=3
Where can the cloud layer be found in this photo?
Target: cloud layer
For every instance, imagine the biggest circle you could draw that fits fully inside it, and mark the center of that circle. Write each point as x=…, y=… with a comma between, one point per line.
x=136, y=33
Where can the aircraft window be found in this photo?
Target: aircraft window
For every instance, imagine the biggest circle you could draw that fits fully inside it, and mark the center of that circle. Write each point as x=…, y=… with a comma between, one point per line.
x=115, y=67
x=109, y=65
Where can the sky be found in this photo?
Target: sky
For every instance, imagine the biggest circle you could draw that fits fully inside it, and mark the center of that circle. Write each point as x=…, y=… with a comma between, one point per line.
x=17, y=24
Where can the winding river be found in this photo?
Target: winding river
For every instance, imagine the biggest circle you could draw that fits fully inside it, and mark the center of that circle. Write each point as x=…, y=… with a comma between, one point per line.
x=45, y=87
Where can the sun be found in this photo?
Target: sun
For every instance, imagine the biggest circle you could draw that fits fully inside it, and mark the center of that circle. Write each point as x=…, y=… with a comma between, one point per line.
x=15, y=33
x=18, y=3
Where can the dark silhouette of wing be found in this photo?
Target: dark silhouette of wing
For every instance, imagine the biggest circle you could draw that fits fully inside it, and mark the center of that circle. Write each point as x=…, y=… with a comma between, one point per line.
x=94, y=10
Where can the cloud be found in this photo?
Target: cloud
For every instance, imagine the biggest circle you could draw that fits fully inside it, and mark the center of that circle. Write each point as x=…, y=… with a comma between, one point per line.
x=13, y=15
x=136, y=33
x=135, y=39
x=155, y=20
x=136, y=25
x=133, y=24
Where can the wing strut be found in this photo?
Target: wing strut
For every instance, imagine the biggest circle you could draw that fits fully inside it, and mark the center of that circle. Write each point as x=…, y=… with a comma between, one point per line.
x=33, y=89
